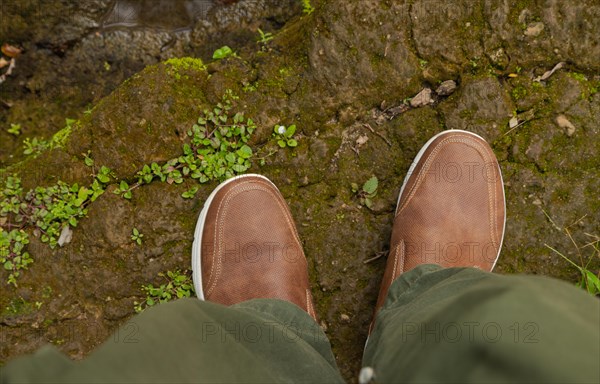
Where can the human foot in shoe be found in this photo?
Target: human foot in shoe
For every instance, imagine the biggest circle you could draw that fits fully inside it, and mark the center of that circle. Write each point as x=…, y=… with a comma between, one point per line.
x=451, y=208
x=246, y=246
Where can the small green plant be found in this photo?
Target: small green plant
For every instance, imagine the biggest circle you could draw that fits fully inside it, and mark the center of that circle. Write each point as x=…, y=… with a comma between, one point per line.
x=423, y=63
x=518, y=92
x=124, y=190
x=264, y=37
x=284, y=136
x=589, y=281
x=307, y=8
x=88, y=110
x=223, y=53
x=36, y=145
x=137, y=236
x=12, y=256
x=103, y=175
x=190, y=193
x=367, y=192
x=15, y=129
x=217, y=149
x=250, y=87
x=177, y=285
x=87, y=160
x=47, y=211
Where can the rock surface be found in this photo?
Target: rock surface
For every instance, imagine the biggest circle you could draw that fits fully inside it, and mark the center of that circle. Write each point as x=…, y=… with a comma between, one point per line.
x=324, y=72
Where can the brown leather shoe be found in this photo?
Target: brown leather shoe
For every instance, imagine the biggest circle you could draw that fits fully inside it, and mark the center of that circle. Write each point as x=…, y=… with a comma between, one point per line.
x=246, y=246
x=451, y=208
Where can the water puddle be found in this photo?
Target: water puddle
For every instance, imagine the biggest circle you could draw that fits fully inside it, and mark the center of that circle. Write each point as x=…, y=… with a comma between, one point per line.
x=170, y=15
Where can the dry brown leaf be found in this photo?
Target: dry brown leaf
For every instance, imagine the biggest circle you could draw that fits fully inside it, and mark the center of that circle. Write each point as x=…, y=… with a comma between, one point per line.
x=10, y=50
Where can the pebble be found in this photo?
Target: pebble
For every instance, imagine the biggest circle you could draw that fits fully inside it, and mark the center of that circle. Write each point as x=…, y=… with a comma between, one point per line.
x=446, y=88
x=534, y=29
x=66, y=235
x=362, y=140
x=345, y=318
x=565, y=124
x=422, y=98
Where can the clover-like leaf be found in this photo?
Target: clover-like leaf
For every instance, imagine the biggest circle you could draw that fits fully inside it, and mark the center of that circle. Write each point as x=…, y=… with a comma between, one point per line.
x=289, y=132
x=370, y=186
x=222, y=53
x=244, y=152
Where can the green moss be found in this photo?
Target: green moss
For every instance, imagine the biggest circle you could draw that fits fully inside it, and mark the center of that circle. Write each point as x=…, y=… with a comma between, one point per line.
x=466, y=114
x=19, y=306
x=176, y=65
x=284, y=71
x=47, y=322
x=561, y=195
x=186, y=63
x=578, y=76
x=518, y=92
x=59, y=139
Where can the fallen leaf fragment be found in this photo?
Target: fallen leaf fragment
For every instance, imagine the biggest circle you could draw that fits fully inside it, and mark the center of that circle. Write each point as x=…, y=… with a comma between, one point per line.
x=10, y=50
x=8, y=71
x=550, y=73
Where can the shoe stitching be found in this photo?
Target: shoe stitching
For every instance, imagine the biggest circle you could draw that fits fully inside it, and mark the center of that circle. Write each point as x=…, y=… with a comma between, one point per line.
x=395, y=265
x=491, y=189
x=401, y=258
x=218, y=236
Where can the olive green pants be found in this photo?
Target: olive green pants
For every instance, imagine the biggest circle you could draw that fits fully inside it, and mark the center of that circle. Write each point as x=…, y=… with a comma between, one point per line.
x=450, y=325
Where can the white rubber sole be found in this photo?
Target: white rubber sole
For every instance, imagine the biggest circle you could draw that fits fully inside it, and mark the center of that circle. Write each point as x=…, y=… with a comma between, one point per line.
x=197, y=245
x=418, y=157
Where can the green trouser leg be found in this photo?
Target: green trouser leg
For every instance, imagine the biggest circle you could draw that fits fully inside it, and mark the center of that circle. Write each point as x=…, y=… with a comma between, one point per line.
x=465, y=325
x=260, y=341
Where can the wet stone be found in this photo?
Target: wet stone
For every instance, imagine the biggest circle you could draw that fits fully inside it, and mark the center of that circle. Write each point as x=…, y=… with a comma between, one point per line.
x=446, y=88
x=422, y=99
